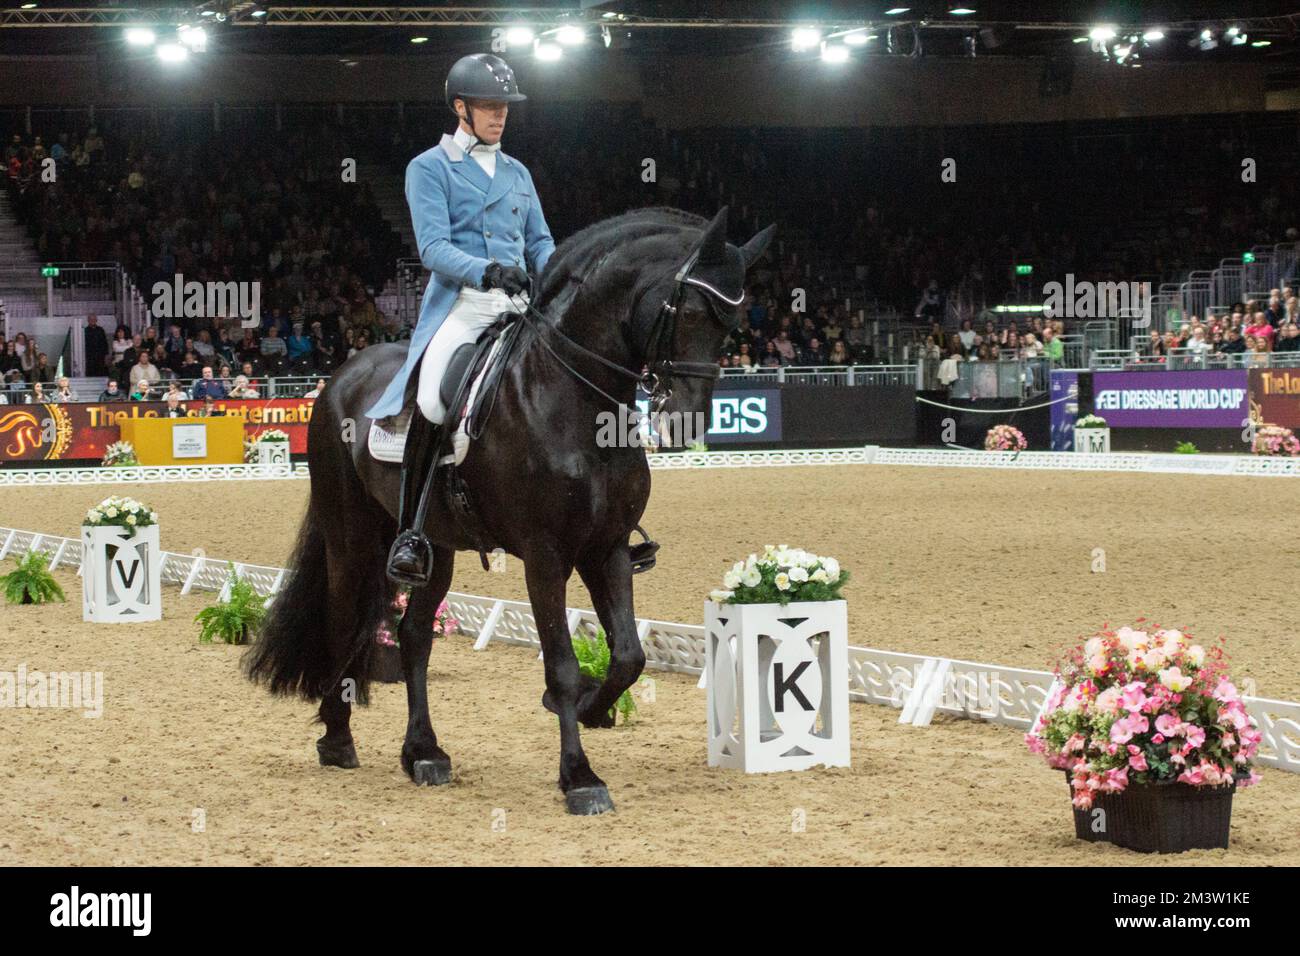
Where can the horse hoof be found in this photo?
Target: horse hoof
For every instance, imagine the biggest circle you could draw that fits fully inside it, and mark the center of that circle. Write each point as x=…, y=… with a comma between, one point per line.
x=431, y=773
x=588, y=801
x=337, y=755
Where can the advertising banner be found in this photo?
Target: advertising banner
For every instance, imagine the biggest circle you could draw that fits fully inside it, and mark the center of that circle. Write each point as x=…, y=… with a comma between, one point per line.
x=737, y=415
x=1275, y=396
x=1065, y=409
x=79, y=432
x=1209, y=399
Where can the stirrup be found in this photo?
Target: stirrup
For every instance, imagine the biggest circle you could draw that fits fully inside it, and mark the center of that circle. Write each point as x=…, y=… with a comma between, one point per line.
x=424, y=551
x=643, y=553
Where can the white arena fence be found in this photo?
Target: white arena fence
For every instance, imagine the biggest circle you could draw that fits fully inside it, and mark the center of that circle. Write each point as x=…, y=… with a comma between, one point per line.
x=1153, y=463
x=920, y=686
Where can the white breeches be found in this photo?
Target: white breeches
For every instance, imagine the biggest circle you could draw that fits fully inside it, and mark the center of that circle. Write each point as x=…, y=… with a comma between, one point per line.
x=472, y=312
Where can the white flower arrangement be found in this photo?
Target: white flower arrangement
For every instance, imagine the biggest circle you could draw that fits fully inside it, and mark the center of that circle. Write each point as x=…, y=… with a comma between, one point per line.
x=781, y=575
x=122, y=513
x=273, y=434
x=120, y=454
x=1091, y=421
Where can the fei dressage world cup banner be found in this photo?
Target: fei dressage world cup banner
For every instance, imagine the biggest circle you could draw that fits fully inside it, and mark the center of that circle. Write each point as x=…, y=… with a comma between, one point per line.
x=1209, y=399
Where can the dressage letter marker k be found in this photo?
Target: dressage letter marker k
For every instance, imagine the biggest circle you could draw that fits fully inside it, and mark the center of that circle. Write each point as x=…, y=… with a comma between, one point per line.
x=792, y=686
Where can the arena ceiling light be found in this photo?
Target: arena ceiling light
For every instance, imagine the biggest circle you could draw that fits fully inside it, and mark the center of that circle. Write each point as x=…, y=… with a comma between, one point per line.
x=547, y=51
x=1262, y=43
x=571, y=35
x=419, y=39
x=196, y=38
x=896, y=11
x=519, y=36
x=835, y=53
x=172, y=52
x=1154, y=35
x=960, y=12
x=858, y=37
x=140, y=36
x=804, y=38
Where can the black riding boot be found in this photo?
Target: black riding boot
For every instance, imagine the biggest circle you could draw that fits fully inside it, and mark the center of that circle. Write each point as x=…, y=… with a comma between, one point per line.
x=410, y=561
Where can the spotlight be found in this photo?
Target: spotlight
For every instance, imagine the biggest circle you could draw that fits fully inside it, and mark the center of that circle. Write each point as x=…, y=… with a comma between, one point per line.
x=1239, y=39
x=208, y=13
x=419, y=39
x=519, y=36
x=895, y=11
x=1153, y=36
x=803, y=38
x=547, y=51
x=571, y=36
x=1102, y=34
x=258, y=13
x=172, y=52
x=835, y=53
x=139, y=36
x=1206, y=41
x=1232, y=31
x=196, y=38
x=858, y=37
x=960, y=12
x=1262, y=43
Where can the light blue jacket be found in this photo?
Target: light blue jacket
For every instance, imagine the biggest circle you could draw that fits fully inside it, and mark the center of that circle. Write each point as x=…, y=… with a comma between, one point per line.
x=463, y=221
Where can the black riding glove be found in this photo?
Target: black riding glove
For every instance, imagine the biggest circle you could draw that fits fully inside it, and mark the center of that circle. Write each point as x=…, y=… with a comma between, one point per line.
x=510, y=279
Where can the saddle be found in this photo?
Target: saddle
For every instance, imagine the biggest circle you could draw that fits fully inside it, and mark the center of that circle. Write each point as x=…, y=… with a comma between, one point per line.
x=468, y=391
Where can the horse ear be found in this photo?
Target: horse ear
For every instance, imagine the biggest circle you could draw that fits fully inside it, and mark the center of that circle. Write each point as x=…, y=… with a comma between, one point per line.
x=756, y=246
x=714, y=241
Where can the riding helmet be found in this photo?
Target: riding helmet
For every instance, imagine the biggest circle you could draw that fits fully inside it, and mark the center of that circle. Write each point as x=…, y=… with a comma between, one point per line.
x=482, y=76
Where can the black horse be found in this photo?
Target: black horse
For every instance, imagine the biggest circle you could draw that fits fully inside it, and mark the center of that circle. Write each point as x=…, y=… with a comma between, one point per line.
x=645, y=297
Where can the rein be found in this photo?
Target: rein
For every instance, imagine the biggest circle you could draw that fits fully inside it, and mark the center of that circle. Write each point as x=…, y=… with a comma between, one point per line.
x=659, y=373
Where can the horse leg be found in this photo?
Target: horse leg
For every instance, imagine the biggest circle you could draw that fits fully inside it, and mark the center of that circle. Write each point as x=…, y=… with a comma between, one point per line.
x=336, y=748
x=423, y=760
x=609, y=579
x=585, y=793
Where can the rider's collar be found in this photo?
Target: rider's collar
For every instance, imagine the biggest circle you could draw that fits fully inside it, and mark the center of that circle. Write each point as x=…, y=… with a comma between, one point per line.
x=467, y=142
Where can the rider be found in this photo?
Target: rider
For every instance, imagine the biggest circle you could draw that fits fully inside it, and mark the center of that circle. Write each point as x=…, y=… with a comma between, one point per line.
x=479, y=226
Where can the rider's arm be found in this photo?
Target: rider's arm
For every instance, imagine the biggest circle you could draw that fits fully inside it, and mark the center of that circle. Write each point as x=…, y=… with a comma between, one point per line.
x=538, y=244
x=426, y=195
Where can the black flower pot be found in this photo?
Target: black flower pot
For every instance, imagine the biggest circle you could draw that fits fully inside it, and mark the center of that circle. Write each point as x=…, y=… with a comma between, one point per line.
x=386, y=665
x=1164, y=817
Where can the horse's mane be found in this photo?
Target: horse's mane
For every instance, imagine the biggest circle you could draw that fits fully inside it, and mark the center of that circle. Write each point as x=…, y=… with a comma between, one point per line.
x=575, y=256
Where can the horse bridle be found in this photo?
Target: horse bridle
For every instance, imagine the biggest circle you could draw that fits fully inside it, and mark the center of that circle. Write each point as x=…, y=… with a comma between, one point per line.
x=660, y=372
x=657, y=376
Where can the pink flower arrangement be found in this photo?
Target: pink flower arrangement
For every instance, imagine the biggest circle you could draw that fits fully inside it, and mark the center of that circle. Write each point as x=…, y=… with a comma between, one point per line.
x=1005, y=438
x=1275, y=440
x=1145, y=706
x=443, y=622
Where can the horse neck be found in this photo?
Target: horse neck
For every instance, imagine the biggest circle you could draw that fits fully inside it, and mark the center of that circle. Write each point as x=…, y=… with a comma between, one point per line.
x=597, y=318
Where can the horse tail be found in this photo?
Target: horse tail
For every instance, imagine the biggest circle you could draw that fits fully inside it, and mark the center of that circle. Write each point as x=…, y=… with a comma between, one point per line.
x=290, y=656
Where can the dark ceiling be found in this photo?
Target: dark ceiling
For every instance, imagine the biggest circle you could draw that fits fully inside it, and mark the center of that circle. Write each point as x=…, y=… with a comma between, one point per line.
x=1043, y=28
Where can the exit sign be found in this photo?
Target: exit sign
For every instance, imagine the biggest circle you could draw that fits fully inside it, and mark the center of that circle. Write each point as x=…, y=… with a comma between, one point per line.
x=50, y=272
x=1024, y=270
x=1248, y=257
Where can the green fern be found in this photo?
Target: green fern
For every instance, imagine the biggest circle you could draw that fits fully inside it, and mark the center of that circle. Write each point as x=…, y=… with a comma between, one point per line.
x=31, y=582
x=235, y=618
x=593, y=660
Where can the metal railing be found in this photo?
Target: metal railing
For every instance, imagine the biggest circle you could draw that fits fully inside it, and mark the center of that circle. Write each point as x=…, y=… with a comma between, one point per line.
x=88, y=390
x=412, y=277
x=1184, y=359
x=823, y=375
x=1016, y=378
